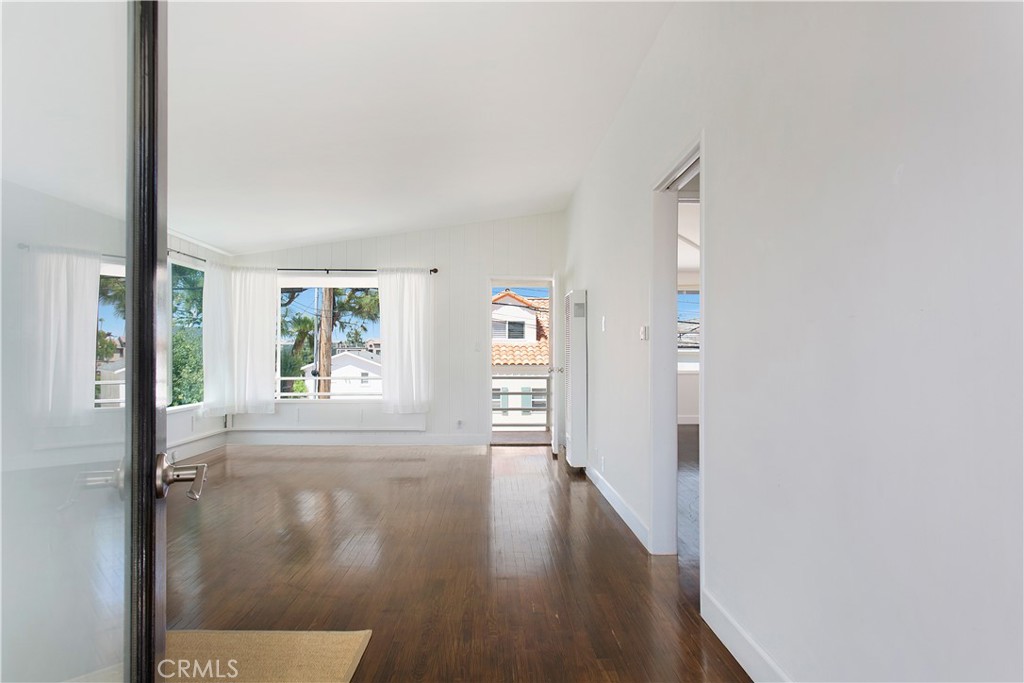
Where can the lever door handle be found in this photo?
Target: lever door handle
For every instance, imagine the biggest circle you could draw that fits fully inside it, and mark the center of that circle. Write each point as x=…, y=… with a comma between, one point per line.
x=168, y=473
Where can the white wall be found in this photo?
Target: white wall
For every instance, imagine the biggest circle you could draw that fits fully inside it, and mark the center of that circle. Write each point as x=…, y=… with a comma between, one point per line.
x=861, y=177
x=468, y=257
x=687, y=396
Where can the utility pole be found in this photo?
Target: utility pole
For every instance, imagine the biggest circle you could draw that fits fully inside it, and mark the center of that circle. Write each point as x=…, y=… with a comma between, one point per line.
x=324, y=334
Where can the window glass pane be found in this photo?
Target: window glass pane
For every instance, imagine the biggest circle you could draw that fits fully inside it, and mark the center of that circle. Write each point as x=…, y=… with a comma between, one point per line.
x=186, y=335
x=516, y=330
x=341, y=358
x=688, y=319
x=540, y=399
x=498, y=329
x=110, y=342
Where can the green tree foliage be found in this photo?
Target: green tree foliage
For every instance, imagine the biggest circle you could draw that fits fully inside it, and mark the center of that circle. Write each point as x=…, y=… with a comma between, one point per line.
x=186, y=366
x=354, y=337
x=106, y=349
x=186, y=335
x=112, y=293
x=186, y=296
x=354, y=307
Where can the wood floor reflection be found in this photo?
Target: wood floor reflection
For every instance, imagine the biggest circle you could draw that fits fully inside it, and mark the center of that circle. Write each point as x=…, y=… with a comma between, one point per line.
x=467, y=567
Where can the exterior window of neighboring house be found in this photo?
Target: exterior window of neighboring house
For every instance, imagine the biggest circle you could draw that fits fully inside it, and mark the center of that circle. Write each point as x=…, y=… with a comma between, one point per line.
x=110, y=337
x=527, y=401
x=499, y=399
x=508, y=329
x=539, y=399
x=186, y=335
x=688, y=320
x=328, y=342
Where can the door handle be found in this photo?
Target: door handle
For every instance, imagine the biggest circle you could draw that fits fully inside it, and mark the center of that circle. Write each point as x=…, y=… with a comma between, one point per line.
x=168, y=473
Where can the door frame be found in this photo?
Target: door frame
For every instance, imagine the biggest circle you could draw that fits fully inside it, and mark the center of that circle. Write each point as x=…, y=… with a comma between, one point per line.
x=527, y=281
x=664, y=355
x=147, y=324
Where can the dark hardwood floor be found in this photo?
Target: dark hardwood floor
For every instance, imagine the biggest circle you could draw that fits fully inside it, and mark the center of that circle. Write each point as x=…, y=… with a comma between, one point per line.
x=467, y=567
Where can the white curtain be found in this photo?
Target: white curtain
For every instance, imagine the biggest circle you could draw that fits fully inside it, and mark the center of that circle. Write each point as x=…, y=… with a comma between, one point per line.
x=62, y=327
x=255, y=299
x=218, y=369
x=406, y=327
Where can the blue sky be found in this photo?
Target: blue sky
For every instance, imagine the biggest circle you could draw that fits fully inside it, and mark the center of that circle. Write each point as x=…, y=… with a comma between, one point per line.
x=522, y=291
x=305, y=304
x=688, y=306
x=112, y=322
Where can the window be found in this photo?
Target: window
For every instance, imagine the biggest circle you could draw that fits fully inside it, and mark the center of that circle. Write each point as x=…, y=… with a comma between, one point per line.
x=540, y=399
x=508, y=329
x=328, y=340
x=499, y=400
x=110, y=337
x=186, y=335
x=688, y=320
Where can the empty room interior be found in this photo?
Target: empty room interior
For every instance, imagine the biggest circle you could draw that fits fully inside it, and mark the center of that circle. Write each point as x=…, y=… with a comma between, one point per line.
x=513, y=341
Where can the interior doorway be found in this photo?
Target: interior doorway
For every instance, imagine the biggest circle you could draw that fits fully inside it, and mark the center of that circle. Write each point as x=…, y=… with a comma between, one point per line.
x=688, y=366
x=520, y=323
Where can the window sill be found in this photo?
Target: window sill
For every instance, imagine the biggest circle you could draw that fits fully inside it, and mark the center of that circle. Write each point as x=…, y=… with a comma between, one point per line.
x=322, y=401
x=183, y=408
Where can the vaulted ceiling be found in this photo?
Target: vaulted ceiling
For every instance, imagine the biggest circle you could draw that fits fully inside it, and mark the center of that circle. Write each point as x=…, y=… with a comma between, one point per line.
x=299, y=123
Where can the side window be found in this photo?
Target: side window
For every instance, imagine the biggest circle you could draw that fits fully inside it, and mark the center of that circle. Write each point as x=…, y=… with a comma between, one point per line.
x=110, y=338
x=186, y=335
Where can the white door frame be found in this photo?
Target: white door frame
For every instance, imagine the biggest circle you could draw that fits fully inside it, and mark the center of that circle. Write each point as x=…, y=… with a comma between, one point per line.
x=526, y=281
x=664, y=355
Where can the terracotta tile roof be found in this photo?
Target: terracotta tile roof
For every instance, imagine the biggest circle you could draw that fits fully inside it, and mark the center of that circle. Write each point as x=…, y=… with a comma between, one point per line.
x=525, y=353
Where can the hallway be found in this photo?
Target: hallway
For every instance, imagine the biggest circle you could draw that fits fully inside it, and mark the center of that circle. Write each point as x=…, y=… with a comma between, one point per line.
x=466, y=566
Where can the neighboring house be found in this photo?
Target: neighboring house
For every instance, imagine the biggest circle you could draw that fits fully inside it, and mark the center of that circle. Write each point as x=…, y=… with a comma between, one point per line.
x=354, y=371
x=111, y=395
x=520, y=358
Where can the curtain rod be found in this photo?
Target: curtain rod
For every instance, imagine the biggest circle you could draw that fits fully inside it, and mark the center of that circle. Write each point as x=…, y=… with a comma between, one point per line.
x=328, y=271
x=175, y=251
x=26, y=247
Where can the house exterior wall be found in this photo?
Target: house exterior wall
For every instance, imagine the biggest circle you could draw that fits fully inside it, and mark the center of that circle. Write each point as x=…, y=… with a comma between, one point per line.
x=530, y=378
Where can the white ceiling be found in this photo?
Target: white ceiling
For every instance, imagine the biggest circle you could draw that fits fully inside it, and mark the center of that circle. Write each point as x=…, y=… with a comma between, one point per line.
x=300, y=123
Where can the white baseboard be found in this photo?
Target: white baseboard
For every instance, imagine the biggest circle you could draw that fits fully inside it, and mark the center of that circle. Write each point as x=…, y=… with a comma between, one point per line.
x=627, y=513
x=193, y=446
x=752, y=657
x=687, y=419
x=263, y=437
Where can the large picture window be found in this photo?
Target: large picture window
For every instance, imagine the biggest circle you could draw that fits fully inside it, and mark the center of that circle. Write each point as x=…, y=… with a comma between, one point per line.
x=329, y=337
x=186, y=335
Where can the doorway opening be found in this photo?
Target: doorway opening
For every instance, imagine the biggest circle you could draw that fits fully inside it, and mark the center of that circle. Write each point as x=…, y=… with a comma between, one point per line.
x=688, y=366
x=520, y=363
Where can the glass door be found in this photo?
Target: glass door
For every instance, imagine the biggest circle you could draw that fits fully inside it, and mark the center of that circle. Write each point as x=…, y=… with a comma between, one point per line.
x=78, y=209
